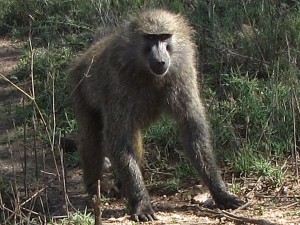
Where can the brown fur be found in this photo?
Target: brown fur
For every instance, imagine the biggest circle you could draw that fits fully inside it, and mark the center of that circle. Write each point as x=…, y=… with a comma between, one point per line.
x=115, y=96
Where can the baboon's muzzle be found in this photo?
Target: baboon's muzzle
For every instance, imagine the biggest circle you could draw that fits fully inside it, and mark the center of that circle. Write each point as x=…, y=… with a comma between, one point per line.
x=159, y=59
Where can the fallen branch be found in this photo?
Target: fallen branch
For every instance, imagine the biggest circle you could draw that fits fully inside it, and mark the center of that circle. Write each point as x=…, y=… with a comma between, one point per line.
x=17, y=211
x=32, y=197
x=217, y=213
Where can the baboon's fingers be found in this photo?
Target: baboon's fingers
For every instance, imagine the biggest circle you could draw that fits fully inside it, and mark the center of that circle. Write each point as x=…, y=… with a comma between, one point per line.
x=143, y=217
x=152, y=217
x=234, y=204
x=230, y=202
x=134, y=217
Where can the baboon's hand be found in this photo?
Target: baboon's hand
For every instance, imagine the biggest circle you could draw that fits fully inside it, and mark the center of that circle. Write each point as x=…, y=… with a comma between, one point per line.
x=143, y=214
x=228, y=201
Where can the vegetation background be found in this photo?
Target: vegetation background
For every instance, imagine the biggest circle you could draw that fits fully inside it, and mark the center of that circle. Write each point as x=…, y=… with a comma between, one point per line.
x=249, y=76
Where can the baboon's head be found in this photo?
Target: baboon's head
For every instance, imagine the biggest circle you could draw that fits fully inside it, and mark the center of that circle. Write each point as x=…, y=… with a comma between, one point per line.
x=158, y=33
x=157, y=51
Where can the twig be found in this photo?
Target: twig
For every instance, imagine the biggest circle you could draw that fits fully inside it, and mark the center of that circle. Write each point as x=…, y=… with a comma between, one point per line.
x=44, y=216
x=217, y=213
x=64, y=178
x=34, y=144
x=254, y=188
x=17, y=212
x=246, y=219
x=276, y=196
x=48, y=173
x=2, y=208
x=15, y=86
x=288, y=206
x=32, y=91
x=243, y=206
x=24, y=153
x=295, y=155
x=97, y=205
x=54, y=126
x=86, y=74
x=33, y=196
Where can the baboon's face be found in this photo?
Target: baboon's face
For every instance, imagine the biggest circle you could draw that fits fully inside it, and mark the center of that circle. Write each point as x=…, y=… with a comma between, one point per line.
x=157, y=50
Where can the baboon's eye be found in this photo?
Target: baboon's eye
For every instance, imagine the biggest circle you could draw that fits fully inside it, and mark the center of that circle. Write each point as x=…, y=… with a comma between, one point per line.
x=169, y=48
x=157, y=37
x=147, y=49
x=149, y=37
x=164, y=37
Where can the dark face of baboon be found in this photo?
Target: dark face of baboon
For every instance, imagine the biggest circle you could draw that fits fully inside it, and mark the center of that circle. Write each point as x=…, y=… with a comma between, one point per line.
x=157, y=50
x=126, y=80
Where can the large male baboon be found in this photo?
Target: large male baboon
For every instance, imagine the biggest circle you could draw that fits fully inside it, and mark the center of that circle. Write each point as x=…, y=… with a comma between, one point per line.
x=124, y=82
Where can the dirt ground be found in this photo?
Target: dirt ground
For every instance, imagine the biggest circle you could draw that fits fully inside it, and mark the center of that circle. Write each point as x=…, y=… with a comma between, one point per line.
x=49, y=196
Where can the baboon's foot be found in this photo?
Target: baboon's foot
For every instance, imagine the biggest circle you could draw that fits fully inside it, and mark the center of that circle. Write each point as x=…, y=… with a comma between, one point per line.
x=225, y=200
x=143, y=212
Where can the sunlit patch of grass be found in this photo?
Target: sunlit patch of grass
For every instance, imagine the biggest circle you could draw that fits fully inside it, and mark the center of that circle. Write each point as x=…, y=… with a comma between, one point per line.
x=249, y=164
x=77, y=218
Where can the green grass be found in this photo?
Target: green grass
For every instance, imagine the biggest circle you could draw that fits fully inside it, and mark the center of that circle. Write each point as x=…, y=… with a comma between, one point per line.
x=250, y=164
x=164, y=133
x=77, y=218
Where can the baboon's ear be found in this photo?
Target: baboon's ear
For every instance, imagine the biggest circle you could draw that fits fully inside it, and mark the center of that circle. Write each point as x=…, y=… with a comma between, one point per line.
x=131, y=26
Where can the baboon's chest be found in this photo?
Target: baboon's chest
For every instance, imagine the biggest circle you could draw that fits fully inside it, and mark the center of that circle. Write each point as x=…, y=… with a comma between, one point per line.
x=147, y=105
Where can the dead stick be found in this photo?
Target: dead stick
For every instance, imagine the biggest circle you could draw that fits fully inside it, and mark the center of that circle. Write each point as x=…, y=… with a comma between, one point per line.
x=97, y=205
x=240, y=219
x=248, y=220
x=32, y=197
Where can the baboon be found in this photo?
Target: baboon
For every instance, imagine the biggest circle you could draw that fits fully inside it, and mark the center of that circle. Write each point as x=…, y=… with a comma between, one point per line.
x=121, y=84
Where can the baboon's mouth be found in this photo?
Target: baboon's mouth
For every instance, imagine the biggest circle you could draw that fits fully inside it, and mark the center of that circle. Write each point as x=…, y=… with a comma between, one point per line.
x=159, y=70
x=159, y=74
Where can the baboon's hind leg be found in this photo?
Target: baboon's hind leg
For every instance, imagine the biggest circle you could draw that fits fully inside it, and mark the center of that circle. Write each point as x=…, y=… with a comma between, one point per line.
x=139, y=149
x=90, y=147
x=139, y=154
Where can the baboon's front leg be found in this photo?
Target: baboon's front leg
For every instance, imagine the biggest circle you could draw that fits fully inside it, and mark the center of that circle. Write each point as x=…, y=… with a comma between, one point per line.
x=125, y=162
x=195, y=133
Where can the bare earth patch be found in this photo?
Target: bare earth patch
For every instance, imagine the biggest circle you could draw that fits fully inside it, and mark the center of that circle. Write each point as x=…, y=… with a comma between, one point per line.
x=43, y=194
